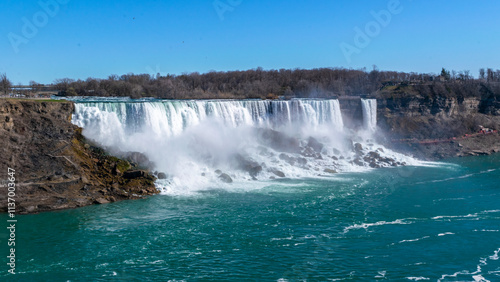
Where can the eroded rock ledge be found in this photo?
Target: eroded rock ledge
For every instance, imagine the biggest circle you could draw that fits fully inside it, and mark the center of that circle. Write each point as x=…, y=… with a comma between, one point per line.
x=56, y=168
x=413, y=116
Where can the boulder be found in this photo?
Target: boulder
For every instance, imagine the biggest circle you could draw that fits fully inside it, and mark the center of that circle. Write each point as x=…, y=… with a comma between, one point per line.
x=225, y=178
x=277, y=172
x=248, y=165
x=374, y=155
x=358, y=148
x=315, y=144
x=358, y=161
x=328, y=170
x=162, y=175
x=101, y=201
x=139, y=159
x=132, y=174
x=254, y=171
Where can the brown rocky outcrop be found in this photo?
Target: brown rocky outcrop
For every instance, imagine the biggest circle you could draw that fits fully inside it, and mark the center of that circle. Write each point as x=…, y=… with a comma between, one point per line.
x=440, y=118
x=56, y=168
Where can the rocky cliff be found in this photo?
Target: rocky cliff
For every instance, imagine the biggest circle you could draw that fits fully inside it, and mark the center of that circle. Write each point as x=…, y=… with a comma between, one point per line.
x=56, y=168
x=440, y=118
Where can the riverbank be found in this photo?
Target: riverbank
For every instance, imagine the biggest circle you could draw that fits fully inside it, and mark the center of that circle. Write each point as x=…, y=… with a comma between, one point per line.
x=56, y=168
x=472, y=145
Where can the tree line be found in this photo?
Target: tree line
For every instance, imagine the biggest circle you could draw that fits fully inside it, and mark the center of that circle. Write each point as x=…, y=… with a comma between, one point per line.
x=287, y=83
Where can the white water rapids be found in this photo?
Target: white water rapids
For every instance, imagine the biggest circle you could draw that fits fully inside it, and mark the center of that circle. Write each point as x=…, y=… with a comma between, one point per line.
x=195, y=142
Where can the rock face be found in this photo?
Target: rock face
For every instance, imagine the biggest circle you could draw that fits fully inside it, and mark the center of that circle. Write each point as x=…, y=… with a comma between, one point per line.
x=56, y=168
x=437, y=118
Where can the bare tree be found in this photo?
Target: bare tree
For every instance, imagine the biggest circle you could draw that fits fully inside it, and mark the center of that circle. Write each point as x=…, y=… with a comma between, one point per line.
x=490, y=75
x=63, y=83
x=482, y=74
x=5, y=84
x=35, y=87
x=258, y=83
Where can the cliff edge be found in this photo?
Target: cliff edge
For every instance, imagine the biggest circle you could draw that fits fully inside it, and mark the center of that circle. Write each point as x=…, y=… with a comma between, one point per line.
x=438, y=127
x=55, y=167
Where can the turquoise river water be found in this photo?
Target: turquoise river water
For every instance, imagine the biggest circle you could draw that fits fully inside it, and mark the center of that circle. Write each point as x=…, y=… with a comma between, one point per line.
x=432, y=223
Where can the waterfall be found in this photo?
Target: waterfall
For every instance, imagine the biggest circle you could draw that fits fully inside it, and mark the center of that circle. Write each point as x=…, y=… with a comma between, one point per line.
x=369, y=114
x=195, y=141
x=170, y=118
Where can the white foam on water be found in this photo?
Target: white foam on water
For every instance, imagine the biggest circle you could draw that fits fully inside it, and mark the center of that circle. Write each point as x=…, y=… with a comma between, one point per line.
x=454, y=216
x=495, y=255
x=379, y=223
x=491, y=211
x=473, y=216
x=446, y=233
x=417, y=278
x=381, y=274
x=479, y=278
x=413, y=240
x=457, y=177
x=280, y=239
x=449, y=199
x=478, y=274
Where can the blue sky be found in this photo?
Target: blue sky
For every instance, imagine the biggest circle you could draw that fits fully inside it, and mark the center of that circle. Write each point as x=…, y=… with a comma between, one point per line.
x=90, y=38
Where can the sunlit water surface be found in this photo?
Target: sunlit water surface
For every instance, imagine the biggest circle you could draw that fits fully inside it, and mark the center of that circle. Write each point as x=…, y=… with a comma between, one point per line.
x=407, y=223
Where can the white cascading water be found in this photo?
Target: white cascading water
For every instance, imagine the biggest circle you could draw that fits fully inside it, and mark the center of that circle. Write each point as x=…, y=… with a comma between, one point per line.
x=369, y=107
x=193, y=142
x=170, y=118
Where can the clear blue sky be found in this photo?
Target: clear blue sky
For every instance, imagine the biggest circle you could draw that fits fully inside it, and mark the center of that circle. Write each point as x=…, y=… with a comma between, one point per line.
x=90, y=38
